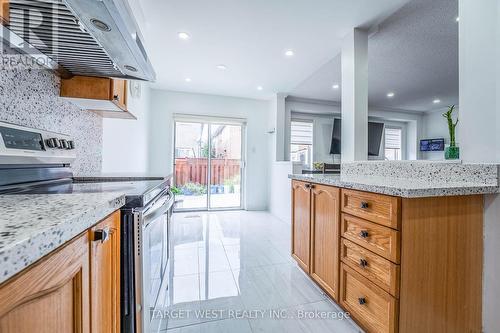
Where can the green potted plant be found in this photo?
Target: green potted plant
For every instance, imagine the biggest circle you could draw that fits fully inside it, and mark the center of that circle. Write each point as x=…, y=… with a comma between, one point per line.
x=452, y=152
x=318, y=165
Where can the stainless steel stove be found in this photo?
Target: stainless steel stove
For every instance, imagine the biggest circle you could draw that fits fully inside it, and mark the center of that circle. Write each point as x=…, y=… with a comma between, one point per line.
x=35, y=161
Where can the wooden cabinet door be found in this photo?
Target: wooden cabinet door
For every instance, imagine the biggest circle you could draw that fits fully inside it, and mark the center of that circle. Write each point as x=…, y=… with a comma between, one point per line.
x=301, y=213
x=4, y=11
x=119, y=93
x=105, y=275
x=87, y=87
x=325, y=238
x=51, y=295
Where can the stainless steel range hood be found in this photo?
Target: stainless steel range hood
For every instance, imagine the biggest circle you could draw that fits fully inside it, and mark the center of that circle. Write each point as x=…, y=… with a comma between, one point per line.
x=81, y=37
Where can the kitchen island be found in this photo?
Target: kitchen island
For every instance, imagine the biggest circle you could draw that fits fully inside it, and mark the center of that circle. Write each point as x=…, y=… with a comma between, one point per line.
x=399, y=254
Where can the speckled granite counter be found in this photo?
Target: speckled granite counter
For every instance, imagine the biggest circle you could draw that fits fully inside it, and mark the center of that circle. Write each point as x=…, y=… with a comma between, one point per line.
x=33, y=225
x=402, y=187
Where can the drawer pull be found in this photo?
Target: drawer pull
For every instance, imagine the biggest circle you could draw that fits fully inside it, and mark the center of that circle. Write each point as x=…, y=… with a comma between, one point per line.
x=363, y=263
x=101, y=234
x=362, y=300
x=363, y=205
x=363, y=234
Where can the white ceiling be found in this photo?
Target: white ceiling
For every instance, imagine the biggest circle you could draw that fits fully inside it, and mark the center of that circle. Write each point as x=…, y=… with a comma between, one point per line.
x=414, y=54
x=250, y=38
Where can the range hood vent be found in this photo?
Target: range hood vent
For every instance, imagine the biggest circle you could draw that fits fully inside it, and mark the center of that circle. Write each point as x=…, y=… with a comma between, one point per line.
x=90, y=38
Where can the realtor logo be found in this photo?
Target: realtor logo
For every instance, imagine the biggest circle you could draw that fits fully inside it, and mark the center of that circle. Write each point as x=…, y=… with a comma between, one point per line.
x=32, y=29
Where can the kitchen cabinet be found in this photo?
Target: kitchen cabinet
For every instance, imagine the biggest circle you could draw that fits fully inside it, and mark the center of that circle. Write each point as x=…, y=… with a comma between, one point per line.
x=373, y=308
x=405, y=265
x=4, y=11
x=50, y=296
x=76, y=288
x=301, y=223
x=315, y=232
x=105, y=96
x=325, y=206
x=105, y=275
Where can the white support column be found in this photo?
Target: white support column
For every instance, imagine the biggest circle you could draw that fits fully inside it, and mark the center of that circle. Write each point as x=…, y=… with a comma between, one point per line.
x=479, y=69
x=281, y=149
x=479, y=89
x=355, y=96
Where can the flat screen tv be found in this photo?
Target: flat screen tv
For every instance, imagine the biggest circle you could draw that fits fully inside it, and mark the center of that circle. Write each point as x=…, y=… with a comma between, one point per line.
x=432, y=145
x=375, y=131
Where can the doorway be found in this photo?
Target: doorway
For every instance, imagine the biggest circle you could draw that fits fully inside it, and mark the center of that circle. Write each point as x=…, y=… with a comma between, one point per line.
x=208, y=164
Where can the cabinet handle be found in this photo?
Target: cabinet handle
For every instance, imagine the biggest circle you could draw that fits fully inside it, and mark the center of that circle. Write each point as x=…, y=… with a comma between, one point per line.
x=363, y=234
x=312, y=186
x=362, y=300
x=363, y=263
x=308, y=186
x=363, y=205
x=101, y=235
x=116, y=98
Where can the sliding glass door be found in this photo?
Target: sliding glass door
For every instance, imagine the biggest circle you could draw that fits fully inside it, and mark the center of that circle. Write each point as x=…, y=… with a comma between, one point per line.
x=208, y=165
x=225, y=166
x=191, y=165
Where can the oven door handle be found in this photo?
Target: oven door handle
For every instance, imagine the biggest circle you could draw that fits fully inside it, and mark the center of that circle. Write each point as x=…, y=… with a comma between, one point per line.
x=160, y=207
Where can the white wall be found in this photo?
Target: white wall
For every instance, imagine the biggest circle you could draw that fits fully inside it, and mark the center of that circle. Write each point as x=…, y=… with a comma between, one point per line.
x=322, y=113
x=278, y=186
x=164, y=104
x=125, y=141
x=435, y=127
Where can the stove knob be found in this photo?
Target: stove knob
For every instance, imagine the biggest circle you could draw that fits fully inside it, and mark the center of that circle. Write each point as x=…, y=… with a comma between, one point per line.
x=52, y=143
x=49, y=143
x=71, y=144
x=64, y=144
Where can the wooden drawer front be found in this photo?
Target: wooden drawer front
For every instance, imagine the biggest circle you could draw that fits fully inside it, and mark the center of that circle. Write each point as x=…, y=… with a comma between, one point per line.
x=374, y=309
x=376, y=238
x=377, y=208
x=378, y=270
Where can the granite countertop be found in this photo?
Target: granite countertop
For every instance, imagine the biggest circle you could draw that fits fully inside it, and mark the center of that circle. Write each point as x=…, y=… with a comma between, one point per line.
x=401, y=187
x=33, y=225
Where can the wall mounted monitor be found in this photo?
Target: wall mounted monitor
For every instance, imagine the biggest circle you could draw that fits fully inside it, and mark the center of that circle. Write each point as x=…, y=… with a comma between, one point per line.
x=432, y=144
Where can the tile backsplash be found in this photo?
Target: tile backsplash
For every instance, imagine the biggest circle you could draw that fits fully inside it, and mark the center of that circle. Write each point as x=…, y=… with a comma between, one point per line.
x=30, y=97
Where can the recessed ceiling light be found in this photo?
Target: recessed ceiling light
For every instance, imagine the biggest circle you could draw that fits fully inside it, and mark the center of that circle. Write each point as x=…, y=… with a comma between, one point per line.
x=130, y=68
x=103, y=26
x=259, y=88
x=221, y=67
x=436, y=101
x=457, y=19
x=390, y=94
x=183, y=35
x=289, y=53
x=188, y=79
x=335, y=86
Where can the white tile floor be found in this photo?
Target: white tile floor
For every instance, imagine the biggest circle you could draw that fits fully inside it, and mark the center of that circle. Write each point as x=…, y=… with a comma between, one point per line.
x=232, y=272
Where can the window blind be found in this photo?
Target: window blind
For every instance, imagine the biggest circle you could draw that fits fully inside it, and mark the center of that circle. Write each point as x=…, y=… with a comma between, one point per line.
x=392, y=138
x=301, y=133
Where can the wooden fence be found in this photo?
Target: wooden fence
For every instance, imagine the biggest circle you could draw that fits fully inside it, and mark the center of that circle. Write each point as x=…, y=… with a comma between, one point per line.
x=194, y=170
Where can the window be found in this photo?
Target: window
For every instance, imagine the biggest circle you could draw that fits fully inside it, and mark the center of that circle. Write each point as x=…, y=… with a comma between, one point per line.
x=301, y=140
x=392, y=139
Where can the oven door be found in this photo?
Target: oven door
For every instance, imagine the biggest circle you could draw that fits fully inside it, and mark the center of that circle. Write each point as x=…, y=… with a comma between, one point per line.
x=152, y=260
